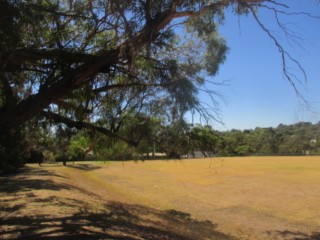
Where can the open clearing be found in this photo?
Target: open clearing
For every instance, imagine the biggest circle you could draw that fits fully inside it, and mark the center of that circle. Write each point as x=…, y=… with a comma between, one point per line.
x=221, y=198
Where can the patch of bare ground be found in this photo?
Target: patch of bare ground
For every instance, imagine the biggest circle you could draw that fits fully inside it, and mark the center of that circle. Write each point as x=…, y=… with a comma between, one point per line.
x=55, y=202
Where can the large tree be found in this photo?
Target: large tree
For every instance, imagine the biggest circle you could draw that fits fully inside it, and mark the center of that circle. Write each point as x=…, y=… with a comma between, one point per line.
x=87, y=63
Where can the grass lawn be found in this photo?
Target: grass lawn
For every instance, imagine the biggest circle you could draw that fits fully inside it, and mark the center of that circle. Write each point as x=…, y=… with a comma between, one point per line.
x=220, y=198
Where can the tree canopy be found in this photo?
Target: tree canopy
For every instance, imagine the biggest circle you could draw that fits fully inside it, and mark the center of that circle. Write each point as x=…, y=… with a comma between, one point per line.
x=92, y=64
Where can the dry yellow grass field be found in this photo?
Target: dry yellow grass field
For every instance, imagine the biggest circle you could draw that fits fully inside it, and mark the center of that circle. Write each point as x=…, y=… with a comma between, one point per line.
x=220, y=198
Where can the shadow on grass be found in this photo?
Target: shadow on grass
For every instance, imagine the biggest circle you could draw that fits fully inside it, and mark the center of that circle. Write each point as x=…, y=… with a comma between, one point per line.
x=118, y=221
x=86, y=167
x=22, y=182
x=76, y=219
x=295, y=235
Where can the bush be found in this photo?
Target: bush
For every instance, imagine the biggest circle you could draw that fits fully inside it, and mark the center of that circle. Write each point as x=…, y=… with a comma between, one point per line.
x=48, y=156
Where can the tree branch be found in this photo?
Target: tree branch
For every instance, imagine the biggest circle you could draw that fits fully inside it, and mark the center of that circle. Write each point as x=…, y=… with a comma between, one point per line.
x=84, y=125
x=284, y=56
x=92, y=65
x=121, y=86
x=22, y=56
x=10, y=99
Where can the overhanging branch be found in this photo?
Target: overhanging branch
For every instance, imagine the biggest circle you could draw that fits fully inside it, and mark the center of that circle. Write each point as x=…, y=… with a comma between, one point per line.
x=84, y=125
x=292, y=78
x=23, y=56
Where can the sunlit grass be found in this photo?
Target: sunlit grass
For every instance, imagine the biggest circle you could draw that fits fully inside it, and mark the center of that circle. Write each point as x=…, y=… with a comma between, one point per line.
x=242, y=192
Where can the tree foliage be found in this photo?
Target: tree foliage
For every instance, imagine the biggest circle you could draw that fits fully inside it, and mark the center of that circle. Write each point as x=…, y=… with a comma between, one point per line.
x=297, y=139
x=204, y=139
x=88, y=63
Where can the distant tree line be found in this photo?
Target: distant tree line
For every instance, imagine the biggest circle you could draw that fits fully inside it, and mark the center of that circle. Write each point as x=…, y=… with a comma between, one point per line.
x=298, y=139
x=176, y=140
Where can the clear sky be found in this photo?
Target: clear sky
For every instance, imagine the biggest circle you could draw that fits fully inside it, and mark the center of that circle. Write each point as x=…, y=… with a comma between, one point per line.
x=257, y=94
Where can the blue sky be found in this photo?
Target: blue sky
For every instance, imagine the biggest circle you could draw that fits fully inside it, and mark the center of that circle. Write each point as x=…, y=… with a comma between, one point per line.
x=257, y=94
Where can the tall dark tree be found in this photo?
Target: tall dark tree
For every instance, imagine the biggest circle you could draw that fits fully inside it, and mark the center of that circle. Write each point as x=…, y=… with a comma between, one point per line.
x=83, y=62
